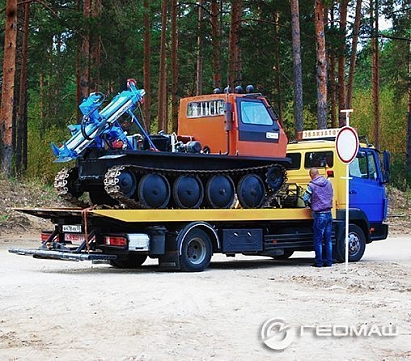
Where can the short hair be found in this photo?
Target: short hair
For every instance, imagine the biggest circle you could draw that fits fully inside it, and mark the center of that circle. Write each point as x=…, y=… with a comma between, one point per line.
x=314, y=171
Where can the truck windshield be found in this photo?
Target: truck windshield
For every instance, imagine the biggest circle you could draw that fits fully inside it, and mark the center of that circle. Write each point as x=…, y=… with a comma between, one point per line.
x=253, y=112
x=363, y=166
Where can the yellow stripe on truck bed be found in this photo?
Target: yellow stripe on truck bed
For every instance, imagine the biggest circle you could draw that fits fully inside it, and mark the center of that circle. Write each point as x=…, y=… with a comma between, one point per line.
x=206, y=215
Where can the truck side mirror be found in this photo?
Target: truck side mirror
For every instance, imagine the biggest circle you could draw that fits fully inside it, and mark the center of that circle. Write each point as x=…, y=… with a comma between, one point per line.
x=387, y=166
x=228, y=117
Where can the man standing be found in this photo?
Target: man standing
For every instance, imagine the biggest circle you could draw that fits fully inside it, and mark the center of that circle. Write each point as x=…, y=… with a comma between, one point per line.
x=319, y=196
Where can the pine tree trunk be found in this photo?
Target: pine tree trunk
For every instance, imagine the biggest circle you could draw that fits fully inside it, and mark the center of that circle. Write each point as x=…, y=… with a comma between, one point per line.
x=234, y=46
x=333, y=90
x=199, y=75
x=95, y=48
x=333, y=85
x=409, y=118
x=7, y=97
x=216, y=43
x=321, y=68
x=147, y=68
x=85, y=55
x=21, y=149
x=277, y=70
x=297, y=69
x=23, y=82
x=341, y=61
x=375, y=73
x=174, y=66
x=162, y=81
x=353, y=57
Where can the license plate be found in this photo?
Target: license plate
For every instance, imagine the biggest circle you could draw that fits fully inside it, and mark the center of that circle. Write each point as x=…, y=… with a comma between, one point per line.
x=74, y=238
x=270, y=135
x=72, y=228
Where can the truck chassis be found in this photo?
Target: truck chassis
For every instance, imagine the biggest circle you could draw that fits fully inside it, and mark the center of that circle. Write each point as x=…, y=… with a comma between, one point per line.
x=182, y=239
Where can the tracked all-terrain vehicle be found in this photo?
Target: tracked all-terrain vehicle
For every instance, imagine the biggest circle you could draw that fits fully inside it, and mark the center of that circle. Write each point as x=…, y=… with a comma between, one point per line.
x=229, y=147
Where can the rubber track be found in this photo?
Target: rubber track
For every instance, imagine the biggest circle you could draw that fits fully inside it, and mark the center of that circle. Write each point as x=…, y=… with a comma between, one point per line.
x=112, y=188
x=61, y=188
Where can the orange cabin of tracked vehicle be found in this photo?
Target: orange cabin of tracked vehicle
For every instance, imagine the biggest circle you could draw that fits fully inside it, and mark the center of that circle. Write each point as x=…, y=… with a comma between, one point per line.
x=233, y=124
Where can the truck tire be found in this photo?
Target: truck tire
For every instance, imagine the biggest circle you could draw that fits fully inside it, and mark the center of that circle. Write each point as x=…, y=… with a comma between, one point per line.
x=134, y=260
x=287, y=254
x=196, y=251
x=356, y=245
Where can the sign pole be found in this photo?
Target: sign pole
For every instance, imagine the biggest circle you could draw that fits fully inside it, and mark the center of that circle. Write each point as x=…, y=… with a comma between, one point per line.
x=347, y=193
x=347, y=210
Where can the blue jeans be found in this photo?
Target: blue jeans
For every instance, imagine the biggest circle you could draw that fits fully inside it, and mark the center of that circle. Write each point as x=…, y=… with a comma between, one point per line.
x=323, y=223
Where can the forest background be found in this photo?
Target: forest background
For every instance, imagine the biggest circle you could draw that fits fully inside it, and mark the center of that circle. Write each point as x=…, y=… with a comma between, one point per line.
x=312, y=59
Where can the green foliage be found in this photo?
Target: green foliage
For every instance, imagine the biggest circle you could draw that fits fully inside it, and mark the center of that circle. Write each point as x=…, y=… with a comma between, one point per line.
x=310, y=120
x=393, y=128
x=40, y=156
x=57, y=30
x=399, y=177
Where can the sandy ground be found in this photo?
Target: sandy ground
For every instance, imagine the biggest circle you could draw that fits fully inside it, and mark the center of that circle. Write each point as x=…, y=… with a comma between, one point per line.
x=56, y=310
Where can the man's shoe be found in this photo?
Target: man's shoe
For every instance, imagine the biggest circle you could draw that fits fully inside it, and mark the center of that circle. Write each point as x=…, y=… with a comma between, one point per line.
x=316, y=265
x=327, y=265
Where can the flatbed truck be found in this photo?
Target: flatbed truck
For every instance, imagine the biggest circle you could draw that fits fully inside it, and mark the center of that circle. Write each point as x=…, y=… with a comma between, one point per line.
x=186, y=239
x=181, y=239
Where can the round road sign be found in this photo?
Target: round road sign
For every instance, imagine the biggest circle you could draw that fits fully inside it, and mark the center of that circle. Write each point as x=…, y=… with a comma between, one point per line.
x=347, y=144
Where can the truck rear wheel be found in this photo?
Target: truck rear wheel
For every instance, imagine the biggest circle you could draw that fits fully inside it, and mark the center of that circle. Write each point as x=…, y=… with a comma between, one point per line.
x=356, y=245
x=196, y=251
x=134, y=260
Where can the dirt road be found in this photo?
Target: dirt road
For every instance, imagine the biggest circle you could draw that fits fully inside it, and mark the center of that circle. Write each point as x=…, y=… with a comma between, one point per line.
x=54, y=310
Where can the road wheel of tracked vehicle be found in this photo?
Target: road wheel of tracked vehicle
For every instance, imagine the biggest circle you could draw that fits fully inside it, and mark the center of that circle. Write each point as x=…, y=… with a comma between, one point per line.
x=275, y=177
x=134, y=260
x=127, y=182
x=196, y=251
x=220, y=191
x=154, y=191
x=188, y=192
x=251, y=191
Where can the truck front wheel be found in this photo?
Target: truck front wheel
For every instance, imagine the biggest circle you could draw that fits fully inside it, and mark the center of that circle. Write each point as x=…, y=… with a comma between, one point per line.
x=196, y=251
x=356, y=245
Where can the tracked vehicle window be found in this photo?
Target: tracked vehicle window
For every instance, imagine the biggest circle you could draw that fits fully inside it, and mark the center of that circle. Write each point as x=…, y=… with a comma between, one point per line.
x=205, y=108
x=295, y=160
x=255, y=113
x=319, y=159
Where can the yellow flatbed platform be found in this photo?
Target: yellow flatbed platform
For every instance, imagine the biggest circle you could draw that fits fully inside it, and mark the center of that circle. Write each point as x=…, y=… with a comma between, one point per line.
x=176, y=215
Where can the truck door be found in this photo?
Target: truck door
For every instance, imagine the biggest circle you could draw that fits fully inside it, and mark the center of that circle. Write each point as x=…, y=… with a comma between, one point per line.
x=259, y=133
x=367, y=191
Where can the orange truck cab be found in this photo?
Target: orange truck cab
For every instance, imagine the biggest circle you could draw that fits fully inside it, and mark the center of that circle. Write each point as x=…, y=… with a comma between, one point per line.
x=233, y=124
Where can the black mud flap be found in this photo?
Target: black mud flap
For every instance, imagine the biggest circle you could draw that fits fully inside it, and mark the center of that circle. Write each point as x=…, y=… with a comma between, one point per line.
x=170, y=260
